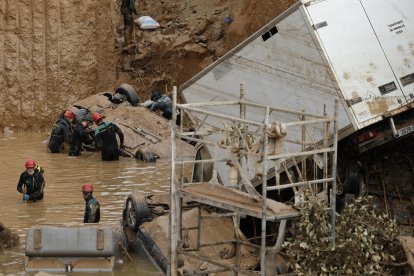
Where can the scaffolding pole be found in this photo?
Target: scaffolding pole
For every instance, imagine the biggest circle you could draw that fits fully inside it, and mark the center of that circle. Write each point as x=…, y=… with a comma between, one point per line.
x=259, y=205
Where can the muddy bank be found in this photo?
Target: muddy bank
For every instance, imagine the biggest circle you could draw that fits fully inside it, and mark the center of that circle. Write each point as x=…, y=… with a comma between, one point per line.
x=54, y=53
x=193, y=35
x=144, y=130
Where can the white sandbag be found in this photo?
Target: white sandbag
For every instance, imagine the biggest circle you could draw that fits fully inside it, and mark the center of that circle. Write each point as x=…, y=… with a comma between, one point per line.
x=147, y=23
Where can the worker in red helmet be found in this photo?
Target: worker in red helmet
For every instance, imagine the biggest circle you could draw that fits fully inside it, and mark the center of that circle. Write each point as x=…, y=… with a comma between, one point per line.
x=92, y=208
x=105, y=138
x=31, y=181
x=61, y=132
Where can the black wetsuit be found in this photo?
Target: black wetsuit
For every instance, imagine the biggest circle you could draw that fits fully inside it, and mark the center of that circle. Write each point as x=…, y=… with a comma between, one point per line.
x=105, y=140
x=61, y=132
x=127, y=9
x=80, y=135
x=31, y=185
x=165, y=105
x=92, y=210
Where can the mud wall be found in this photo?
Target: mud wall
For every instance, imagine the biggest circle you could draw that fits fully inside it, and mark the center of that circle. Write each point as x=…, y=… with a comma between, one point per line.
x=52, y=53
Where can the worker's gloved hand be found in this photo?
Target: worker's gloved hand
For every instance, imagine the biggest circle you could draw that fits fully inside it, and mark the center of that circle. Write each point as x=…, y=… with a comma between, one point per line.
x=26, y=197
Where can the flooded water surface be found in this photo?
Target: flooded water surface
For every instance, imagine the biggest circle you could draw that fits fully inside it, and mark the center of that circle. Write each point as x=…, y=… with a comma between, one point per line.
x=63, y=203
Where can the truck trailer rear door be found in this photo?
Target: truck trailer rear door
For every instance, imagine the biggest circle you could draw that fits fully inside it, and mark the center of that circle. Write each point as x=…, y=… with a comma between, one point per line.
x=369, y=86
x=393, y=23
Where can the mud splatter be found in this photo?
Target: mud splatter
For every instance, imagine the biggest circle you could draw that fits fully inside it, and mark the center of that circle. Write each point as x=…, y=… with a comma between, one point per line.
x=378, y=106
x=346, y=76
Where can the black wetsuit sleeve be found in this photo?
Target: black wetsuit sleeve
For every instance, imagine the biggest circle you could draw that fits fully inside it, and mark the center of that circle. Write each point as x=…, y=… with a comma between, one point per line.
x=67, y=131
x=20, y=184
x=120, y=134
x=40, y=184
x=98, y=141
x=154, y=106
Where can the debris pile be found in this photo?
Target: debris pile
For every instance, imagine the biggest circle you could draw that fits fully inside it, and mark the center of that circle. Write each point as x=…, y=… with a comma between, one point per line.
x=366, y=241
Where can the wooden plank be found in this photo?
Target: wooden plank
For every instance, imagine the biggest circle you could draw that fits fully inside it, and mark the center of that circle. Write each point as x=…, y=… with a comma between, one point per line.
x=233, y=200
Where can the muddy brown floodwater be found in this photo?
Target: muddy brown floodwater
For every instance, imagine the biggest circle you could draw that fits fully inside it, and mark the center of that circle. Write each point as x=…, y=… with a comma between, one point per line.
x=63, y=203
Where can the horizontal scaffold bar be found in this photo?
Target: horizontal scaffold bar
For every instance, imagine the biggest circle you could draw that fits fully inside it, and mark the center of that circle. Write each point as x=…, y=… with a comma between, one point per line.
x=303, y=183
x=297, y=154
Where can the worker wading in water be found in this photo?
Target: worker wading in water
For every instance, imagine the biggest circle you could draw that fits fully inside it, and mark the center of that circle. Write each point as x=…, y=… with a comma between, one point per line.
x=127, y=11
x=79, y=135
x=105, y=138
x=61, y=132
x=31, y=181
x=92, y=207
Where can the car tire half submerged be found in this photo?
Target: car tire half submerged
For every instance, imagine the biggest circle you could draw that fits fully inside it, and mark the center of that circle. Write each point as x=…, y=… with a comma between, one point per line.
x=136, y=210
x=130, y=92
x=146, y=155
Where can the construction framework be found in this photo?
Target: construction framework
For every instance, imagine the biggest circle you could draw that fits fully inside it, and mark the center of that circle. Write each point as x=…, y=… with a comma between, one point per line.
x=231, y=139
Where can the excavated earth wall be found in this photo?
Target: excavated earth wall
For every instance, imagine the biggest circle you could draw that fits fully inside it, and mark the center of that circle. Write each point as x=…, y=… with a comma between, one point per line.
x=56, y=52
x=52, y=53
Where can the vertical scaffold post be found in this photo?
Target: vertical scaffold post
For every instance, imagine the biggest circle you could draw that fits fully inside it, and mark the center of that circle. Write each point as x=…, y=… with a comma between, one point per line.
x=264, y=193
x=174, y=214
x=334, y=170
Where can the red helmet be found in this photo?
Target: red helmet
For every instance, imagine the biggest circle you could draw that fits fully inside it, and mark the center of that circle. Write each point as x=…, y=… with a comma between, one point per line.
x=69, y=114
x=30, y=164
x=96, y=116
x=87, y=188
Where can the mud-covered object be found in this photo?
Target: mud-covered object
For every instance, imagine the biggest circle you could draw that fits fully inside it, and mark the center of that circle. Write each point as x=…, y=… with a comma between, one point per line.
x=8, y=238
x=130, y=93
x=146, y=155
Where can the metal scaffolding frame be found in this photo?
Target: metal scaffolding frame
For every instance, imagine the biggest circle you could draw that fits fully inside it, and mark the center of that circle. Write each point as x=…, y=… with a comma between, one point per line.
x=254, y=204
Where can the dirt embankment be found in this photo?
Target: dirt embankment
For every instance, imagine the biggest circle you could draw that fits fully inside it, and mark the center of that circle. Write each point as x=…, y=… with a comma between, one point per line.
x=193, y=34
x=54, y=53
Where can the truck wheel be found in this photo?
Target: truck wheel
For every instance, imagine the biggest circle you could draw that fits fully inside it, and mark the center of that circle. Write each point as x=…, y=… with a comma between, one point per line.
x=136, y=210
x=153, y=250
x=147, y=156
x=129, y=92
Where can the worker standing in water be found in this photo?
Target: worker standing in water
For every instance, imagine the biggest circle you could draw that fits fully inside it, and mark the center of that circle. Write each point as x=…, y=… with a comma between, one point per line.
x=127, y=11
x=61, y=132
x=105, y=138
x=92, y=207
x=31, y=181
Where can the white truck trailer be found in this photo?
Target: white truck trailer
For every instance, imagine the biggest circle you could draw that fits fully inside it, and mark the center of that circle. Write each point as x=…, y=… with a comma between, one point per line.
x=361, y=51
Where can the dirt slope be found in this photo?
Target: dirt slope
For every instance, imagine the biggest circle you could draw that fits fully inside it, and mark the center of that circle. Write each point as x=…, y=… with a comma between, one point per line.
x=54, y=53
x=193, y=34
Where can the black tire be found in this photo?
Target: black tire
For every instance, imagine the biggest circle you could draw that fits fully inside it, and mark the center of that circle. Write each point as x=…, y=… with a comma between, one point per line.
x=153, y=249
x=136, y=210
x=129, y=92
x=147, y=156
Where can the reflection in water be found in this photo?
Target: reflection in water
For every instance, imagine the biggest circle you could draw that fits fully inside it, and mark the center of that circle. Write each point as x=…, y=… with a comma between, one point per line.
x=63, y=203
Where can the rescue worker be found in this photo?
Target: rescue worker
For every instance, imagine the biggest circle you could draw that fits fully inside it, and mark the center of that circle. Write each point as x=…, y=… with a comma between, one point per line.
x=61, y=132
x=105, y=138
x=92, y=207
x=31, y=181
x=78, y=136
x=127, y=10
x=161, y=102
